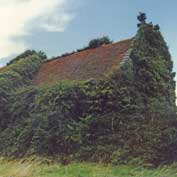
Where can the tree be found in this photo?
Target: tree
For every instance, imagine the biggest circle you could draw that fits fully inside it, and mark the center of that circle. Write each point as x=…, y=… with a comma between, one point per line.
x=142, y=18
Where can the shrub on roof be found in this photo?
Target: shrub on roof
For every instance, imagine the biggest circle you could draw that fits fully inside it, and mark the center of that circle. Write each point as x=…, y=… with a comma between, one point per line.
x=94, y=43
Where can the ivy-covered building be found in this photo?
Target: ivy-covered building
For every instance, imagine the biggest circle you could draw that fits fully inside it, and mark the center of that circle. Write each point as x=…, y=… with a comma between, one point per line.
x=113, y=103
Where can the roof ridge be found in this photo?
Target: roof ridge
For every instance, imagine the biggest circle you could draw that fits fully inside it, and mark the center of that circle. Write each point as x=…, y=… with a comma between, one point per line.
x=87, y=50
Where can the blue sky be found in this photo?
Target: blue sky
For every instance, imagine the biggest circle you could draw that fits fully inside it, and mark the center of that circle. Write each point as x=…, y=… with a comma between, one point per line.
x=59, y=26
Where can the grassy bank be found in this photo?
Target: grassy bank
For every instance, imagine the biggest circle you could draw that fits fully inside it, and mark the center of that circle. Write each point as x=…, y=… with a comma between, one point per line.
x=43, y=168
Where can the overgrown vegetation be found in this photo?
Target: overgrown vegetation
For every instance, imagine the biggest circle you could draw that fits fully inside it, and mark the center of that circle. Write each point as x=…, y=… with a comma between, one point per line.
x=129, y=115
x=28, y=53
x=16, y=75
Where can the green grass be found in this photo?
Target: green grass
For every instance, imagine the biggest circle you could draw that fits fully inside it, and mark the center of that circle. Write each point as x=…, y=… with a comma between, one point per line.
x=37, y=168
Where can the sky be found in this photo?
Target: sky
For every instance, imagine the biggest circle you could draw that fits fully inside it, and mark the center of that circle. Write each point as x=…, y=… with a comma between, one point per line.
x=59, y=26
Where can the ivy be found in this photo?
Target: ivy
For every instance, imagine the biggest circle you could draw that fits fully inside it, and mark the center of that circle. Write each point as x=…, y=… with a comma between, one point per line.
x=129, y=114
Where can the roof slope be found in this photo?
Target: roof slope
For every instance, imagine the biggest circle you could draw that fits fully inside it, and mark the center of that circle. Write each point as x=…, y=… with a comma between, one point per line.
x=91, y=63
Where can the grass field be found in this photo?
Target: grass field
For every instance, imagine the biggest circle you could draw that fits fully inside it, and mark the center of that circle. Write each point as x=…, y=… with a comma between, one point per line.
x=38, y=168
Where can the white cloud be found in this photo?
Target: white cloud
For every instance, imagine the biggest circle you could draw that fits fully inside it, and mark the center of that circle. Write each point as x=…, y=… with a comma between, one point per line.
x=20, y=17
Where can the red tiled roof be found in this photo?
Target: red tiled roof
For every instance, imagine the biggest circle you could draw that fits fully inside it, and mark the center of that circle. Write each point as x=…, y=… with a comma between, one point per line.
x=91, y=63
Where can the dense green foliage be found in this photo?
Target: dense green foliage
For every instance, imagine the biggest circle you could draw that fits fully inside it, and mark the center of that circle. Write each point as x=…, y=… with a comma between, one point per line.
x=28, y=53
x=130, y=114
x=153, y=71
x=13, y=77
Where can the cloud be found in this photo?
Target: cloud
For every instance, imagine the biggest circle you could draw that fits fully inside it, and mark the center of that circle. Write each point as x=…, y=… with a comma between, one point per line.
x=19, y=18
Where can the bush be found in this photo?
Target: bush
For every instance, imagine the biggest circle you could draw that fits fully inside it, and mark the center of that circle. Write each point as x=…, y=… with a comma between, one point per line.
x=27, y=54
x=99, y=42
